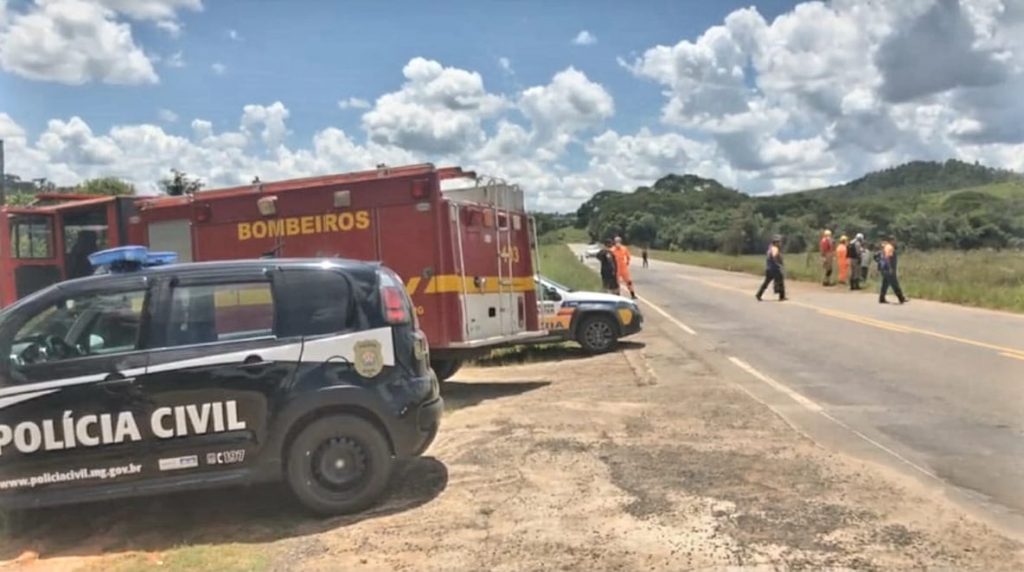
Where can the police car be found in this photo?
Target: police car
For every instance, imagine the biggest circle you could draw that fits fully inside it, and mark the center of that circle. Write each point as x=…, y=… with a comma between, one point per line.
x=186, y=376
x=593, y=319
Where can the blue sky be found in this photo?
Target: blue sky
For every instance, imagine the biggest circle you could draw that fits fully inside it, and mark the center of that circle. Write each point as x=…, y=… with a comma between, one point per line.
x=769, y=98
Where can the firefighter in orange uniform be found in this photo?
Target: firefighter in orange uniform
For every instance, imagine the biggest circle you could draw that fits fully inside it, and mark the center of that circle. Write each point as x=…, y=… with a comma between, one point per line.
x=844, y=262
x=622, y=259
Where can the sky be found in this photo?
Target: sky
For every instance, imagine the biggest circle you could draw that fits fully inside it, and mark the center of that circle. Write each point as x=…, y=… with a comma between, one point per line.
x=563, y=98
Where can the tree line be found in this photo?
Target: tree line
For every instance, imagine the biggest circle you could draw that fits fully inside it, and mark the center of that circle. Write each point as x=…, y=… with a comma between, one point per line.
x=21, y=192
x=925, y=205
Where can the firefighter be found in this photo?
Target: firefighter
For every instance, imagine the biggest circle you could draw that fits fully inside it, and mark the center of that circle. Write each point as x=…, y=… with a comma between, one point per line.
x=622, y=260
x=78, y=258
x=887, y=266
x=773, y=270
x=841, y=260
x=827, y=248
x=609, y=276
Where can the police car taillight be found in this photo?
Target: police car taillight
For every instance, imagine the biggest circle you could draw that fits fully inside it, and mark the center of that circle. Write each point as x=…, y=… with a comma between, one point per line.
x=392, y=296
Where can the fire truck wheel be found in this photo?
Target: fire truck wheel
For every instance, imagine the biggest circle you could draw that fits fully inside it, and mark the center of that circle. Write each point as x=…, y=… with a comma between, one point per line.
x=339, y=464
x=597, y=334
x=445, y=368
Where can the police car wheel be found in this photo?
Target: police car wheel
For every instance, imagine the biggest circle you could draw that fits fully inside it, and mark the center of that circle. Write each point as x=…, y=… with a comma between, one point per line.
x=597, y=334
x=339, y=464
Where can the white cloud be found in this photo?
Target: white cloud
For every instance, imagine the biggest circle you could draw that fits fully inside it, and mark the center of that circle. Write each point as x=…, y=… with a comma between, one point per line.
x=570, y=103
x=175, y=60
x=268, y=120
x=171, y=27
x=152, y=10
x=506, y=65
x=353, y=103
x=233, y=35
x=72, y=42
x=438, y=110
x=167, y=116
x=218, y=68
x=584, y=38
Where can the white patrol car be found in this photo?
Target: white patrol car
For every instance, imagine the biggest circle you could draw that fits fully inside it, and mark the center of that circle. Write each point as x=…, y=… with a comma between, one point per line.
x=213, y=374
x=593, y=319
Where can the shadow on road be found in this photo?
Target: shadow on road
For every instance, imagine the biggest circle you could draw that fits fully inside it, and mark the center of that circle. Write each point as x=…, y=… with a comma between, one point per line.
x=461, y=394
x=251, y=515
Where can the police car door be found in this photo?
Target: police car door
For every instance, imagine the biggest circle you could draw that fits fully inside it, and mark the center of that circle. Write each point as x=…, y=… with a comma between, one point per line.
x=214, y=372
x=71, y=415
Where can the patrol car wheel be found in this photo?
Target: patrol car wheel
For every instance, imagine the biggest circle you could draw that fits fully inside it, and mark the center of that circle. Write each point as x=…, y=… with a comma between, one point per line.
x=339, y=464
x=597, y=334
x=445, y=368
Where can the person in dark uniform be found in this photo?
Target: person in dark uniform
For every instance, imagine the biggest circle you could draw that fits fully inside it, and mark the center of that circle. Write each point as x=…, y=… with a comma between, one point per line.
x=773, y=270
x=887, y=266
x=609, y=270
x=78, y=259
x=853, y=255
x=643, y=255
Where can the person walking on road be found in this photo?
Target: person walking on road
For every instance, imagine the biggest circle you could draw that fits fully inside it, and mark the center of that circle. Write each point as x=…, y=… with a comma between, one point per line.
x=853, y=261
x=827, y=248
x=842, y=260
x=622, y=260
x=887, y=267
x=643, y=254
x=865, y=258
x=773, y=270
x=609, y=275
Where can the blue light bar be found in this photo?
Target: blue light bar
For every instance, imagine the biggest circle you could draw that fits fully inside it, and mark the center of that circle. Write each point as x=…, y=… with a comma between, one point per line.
x=129, y=259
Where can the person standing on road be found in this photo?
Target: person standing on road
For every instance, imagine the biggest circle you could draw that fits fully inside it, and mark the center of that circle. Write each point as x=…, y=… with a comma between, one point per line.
x=622, y=260
x=853, y=261
x=827, y=248
x=887, y=266
x=842, y=260
x=773, y=270
x=609, y=275
x=643, y=254
x=865, y=258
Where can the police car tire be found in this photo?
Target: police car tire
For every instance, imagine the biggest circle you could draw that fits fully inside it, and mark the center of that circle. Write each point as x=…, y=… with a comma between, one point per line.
x=354, y=432
x=593, y=322
x=445, y=368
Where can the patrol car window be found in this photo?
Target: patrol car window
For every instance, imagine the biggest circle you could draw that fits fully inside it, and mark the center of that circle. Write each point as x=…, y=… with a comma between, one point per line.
x=80, y=327
x=319, y=303
x=220, y=312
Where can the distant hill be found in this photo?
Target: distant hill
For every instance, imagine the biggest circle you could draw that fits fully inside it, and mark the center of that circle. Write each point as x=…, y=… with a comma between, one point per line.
x=951, y=204
x=918, y=177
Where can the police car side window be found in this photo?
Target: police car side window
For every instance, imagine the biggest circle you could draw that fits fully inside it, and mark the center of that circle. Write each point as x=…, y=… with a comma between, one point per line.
x=83, y=326
x=210, y=313
x=319, y=302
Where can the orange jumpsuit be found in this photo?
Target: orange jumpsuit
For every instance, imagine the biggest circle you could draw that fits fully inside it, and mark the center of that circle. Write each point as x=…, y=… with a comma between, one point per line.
x=622, y=259
x=844, y=262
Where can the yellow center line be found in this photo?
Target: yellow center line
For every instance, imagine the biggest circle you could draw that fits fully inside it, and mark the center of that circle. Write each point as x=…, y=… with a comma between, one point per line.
x=1003, y=350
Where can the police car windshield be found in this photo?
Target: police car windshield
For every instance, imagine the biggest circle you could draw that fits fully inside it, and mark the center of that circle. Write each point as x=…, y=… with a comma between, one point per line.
x=551, y=283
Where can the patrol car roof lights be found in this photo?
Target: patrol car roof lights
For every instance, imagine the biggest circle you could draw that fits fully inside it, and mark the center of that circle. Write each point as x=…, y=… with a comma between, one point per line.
x=129, y=259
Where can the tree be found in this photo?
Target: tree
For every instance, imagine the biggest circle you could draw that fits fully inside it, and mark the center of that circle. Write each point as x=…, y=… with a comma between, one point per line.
x=180, y=184
x=106, y=186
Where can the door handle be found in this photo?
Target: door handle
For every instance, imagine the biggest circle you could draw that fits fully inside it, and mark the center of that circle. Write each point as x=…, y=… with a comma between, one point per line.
x=255, y=362
x=116, y=379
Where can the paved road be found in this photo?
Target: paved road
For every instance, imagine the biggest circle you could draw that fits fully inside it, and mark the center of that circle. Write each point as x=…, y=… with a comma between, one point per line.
x=937, y=388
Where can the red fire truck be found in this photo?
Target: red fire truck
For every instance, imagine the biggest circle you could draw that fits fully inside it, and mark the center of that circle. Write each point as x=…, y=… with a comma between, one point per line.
x=464, y=245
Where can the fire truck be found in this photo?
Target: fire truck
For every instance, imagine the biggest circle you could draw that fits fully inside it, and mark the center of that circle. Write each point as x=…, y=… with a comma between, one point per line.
x=464, y=245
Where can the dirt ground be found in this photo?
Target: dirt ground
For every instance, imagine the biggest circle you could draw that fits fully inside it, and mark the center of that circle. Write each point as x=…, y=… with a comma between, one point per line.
x=645, y=459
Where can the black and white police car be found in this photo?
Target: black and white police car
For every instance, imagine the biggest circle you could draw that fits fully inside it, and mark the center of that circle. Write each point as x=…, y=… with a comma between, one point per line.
x=187, y=376
x=595, y=320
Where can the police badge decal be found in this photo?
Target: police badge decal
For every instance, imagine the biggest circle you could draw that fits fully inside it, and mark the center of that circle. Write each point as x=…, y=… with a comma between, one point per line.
x=369, y=360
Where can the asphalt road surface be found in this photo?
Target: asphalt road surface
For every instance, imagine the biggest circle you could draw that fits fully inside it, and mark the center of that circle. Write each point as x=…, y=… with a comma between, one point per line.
x=934, y=390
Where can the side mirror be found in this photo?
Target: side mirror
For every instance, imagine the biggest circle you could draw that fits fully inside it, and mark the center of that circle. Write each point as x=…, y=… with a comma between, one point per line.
x=552, y=294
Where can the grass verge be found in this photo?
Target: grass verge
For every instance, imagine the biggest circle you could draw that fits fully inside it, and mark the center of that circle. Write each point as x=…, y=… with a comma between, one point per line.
x=199, y=558
x=976, y=278
x=558, y=263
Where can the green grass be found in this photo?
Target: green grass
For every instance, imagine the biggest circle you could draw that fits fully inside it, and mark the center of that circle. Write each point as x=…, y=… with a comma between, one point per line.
x=976, y=278
x=558, y=263
x=200, y=558
x=567, y=235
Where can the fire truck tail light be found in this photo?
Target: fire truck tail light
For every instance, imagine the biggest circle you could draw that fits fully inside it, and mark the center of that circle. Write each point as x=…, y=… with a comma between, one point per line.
x=419, y=189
